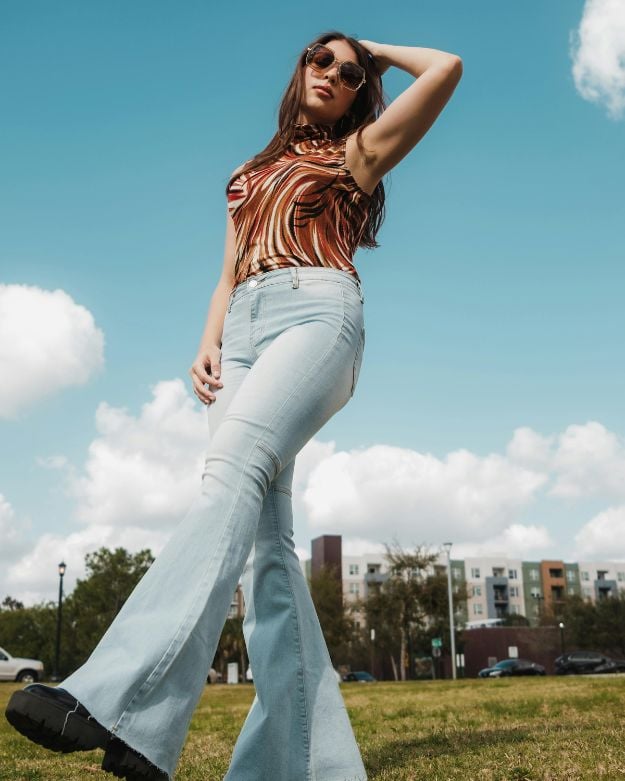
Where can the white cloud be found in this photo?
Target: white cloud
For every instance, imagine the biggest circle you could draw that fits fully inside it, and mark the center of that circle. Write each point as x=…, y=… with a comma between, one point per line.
x=516, y=540
x=47, y=342
x=34, y=577
x=603, y=537
x=143, y=470
x=598, y=52
x=531, y=449
x=589, y=461
x=393, y=491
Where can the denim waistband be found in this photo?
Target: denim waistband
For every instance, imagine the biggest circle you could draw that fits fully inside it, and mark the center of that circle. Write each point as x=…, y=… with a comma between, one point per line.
x=292, y=275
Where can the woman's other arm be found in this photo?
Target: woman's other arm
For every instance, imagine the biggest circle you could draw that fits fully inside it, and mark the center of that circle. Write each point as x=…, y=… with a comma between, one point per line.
x=206, y=367
x=408, y=118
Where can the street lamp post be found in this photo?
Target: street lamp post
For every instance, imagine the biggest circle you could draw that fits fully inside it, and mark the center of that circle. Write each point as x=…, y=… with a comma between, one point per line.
x=561, y=625
x=447, y=546
x=372, y=636
x=55, y=674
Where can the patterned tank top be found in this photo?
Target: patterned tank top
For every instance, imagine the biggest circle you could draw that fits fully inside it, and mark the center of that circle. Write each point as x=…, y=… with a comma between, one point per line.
x=304, y=209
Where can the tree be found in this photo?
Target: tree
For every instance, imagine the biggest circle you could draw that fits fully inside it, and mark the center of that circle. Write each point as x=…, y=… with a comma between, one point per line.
x=231, y=647
x=9, y=603
x=410, y=607
x=596, y=626
x=327, y=594
x=30, y=632
x=95, y=601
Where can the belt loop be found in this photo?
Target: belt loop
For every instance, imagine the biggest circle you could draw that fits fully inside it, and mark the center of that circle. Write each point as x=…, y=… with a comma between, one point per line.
x=295, y=277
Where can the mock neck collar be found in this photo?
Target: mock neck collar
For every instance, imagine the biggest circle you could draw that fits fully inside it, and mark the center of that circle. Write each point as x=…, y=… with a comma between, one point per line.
x=312, y=131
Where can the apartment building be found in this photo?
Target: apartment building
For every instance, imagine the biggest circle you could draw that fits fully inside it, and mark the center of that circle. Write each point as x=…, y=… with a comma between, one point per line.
x=497, y=586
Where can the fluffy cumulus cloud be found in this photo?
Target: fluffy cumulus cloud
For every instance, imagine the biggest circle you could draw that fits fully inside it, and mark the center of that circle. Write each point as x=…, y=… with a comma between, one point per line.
x=43, y=334
x=598, y=54
x=143, y=470
x=603, y=537
x=392, y=490
x=29, y=578
x=585, y=460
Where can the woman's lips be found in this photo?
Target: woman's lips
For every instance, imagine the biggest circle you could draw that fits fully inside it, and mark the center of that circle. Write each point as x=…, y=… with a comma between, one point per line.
x=323, y=91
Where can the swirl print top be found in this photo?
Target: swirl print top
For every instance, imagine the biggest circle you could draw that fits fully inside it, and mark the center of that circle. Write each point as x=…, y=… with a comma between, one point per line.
x=304, y=209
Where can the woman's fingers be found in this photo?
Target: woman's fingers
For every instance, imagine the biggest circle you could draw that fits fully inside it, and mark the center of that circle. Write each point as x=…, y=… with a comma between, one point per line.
x=205, y=371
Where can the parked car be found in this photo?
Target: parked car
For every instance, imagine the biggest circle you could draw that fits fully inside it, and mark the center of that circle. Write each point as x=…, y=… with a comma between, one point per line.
x=359, y=675
x=15, y=668
x=508, y=667
x=577, y=662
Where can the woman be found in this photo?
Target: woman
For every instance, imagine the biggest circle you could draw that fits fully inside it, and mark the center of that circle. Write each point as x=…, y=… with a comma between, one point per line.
x=280, y=354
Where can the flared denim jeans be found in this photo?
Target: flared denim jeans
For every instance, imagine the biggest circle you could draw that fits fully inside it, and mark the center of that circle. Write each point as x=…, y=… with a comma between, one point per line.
x=292, y=347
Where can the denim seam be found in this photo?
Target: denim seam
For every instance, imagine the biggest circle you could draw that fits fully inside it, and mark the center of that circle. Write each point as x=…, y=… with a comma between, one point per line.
x=159, y=665
x=302, y=687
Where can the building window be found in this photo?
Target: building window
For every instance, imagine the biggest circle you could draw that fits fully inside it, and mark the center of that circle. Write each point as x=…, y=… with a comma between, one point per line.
x=570, y=575
x=354, y=588
x=512, y=574
x=514, y=609
x=535, y=592
x=353, y=569
x=456, y=573
x=477, y=609
x=534, y=574
x=475, y=572
x=620, y=576
x=570, y=590
x=514, y=591
x=585, y=576
x=477, y=591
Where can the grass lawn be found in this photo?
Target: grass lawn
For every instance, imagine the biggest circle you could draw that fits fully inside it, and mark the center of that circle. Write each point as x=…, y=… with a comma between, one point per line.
x=513, y=729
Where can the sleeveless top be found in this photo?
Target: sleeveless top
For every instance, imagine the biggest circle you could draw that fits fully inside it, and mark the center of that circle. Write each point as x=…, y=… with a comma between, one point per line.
x=304, y=209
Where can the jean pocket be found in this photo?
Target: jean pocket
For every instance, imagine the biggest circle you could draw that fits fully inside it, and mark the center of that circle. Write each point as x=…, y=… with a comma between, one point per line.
x=357, y=361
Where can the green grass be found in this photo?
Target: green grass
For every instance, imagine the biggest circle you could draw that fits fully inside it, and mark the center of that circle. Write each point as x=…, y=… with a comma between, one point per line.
x=515, y=729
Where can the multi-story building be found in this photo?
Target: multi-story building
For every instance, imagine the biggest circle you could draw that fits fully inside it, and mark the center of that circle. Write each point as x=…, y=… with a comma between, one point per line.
x=601, y=579
x=497, y=586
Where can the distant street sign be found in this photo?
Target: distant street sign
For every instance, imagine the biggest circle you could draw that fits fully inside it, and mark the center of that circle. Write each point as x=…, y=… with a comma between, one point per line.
x=437, y=642
x=436, y=651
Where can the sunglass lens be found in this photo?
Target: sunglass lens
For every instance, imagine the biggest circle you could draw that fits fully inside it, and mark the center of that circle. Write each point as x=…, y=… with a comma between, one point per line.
x=352, y=74
x=321, y=57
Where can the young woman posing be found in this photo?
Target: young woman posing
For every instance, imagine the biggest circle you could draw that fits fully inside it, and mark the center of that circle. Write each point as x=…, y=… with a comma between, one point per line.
x=279, y=356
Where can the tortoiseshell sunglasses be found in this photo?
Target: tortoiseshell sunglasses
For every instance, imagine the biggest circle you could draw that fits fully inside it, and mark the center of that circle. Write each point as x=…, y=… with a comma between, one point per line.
x=321, y=57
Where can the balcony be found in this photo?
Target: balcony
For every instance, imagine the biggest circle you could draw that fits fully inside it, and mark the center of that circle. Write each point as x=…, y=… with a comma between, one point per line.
x=376, y=577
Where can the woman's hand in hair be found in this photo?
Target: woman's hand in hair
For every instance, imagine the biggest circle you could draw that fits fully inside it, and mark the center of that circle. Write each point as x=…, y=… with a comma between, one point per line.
x=374, y=49
x=206, y=370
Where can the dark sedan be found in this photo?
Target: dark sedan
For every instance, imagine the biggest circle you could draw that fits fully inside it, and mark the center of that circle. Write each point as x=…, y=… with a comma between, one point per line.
x=578, y=662
x=512, y=667
x=359, y=675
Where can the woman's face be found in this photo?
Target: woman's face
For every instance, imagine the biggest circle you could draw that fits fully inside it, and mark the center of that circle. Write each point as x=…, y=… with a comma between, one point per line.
x=316, y=106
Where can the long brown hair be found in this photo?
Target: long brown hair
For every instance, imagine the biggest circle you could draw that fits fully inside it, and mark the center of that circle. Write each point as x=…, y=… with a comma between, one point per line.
x=366, y=108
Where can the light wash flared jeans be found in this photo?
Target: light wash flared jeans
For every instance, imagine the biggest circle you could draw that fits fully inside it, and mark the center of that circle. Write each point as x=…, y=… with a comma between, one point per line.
x=292, y=347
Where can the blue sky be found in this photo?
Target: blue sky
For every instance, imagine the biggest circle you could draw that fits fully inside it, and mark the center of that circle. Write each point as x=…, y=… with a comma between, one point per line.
x=492, y=306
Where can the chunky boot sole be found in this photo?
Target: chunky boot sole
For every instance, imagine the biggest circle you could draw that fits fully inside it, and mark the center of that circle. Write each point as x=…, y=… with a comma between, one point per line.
x=53, y=718
x=125, y=762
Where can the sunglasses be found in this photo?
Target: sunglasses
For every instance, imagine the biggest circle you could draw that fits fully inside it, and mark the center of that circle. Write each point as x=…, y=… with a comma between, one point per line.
x=320, y=57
